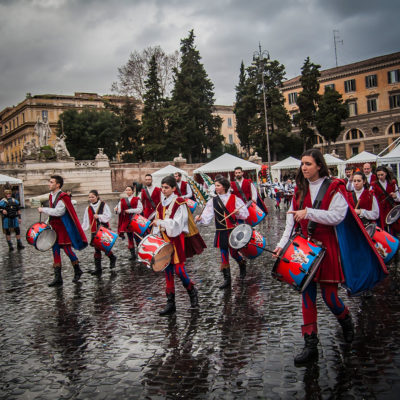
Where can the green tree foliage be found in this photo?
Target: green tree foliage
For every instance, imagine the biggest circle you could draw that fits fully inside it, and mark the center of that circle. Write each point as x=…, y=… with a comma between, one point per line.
x=88, y=130
x=307, y=101
x=331, y=112
x=192, y=127
x=153, y=128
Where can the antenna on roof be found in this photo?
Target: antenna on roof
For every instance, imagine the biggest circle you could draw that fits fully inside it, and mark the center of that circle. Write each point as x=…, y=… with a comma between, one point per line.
x=336, y=40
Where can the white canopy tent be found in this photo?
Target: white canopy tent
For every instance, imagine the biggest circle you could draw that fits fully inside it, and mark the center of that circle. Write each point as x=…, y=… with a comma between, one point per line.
x=4, y=179
x=362, y=157
x=392, y=159
x=163, y=172
x=227, y=163
x=287, y=163
x=337, y=162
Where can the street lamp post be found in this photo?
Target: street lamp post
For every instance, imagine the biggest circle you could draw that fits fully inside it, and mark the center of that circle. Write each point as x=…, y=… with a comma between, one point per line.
x=259, y=55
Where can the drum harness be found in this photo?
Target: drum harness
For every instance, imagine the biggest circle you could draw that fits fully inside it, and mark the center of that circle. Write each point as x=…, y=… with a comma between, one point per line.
x=244, y=198
x=149, y=197
x=218, y=202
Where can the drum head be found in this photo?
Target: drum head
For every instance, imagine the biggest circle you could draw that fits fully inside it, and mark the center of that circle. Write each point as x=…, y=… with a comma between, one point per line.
x=46, y=240
x=162, y=258
x=240, y=236
x=393, y=216
x=371, y=228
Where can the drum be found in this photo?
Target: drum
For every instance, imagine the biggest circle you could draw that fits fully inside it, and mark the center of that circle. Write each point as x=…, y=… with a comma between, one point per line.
x=248, y=241
x=393, y=215
x=104, y=239
x=191, y=204
x=41, y=235
x=386, y=244
x=155, y=252
x=256, y=215
x=298, y=262
x=139, y=224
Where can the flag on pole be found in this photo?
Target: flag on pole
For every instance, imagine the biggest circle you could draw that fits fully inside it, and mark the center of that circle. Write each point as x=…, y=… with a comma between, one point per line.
x=199, y=193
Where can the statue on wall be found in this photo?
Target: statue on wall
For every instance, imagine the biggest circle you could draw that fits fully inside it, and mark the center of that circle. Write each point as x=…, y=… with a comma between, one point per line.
x=43, y=132
x=60, y=148
x=30, y=150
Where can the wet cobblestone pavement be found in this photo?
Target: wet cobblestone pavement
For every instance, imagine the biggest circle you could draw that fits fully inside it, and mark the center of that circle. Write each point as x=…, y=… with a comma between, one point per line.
x=103, y=338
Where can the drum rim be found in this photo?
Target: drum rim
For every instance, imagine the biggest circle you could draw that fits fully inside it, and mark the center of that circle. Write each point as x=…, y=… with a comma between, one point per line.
x=158, y=250
x=373, y=224
x=394, y=209
x=45, y=229
x=236, y=228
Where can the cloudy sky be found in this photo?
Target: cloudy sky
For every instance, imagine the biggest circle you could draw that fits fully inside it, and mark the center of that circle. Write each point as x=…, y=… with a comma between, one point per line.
x=64, y=46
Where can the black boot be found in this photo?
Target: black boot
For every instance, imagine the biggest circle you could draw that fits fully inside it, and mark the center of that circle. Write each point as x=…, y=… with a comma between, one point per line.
x=10, y=246
x=242, y=267
x=170, y=307
x=133, y=256
x=77, y=273
x=97, y=265
x=194, y=301
x=57, y=281
x=310, y=350
x=113, y=260
x=20, y=246
x=348, y=328
x=226, y=272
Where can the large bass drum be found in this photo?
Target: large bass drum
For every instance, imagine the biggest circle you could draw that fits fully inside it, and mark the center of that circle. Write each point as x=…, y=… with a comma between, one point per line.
x=41, y=235
x=155, y=252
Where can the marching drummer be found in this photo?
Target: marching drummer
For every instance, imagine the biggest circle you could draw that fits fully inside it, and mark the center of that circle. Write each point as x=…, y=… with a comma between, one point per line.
x=65, y=222
x=171, y=223
x=311, y=175
x=243, y=188
x=150, y=196
x=97, y=214
x=226, y=208
x=126, y=208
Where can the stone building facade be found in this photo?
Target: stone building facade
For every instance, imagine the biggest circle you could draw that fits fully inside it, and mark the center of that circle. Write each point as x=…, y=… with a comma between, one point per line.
x=371, y=88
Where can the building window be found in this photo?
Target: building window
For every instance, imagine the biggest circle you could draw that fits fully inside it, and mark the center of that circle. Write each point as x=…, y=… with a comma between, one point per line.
x=292, y=98
x=395, y=128
x=23, y=118
x=350, y=85
x=45, y=115
x=330, y=86
x=316, y=139
x=394, y=101
x=375, y=129
x=375, y=148
x=394, y=76
x=354, y=150
x=371, y=81
x=352, y=105
x=372, y=105
x=230, y=139
x=229, y=122
x=354, y=134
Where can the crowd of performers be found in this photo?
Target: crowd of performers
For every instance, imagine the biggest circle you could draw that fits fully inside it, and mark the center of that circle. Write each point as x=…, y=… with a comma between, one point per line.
x=320, y=208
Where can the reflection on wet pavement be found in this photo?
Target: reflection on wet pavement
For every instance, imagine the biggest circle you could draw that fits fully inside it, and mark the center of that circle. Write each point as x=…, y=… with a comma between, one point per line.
x=103, y=338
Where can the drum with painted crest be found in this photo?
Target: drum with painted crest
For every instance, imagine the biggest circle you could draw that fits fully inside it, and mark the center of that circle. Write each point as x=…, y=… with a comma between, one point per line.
x=155, y=252
x=386, y=244
x=248, y=241
x=192, y=205
x=41, y=235
x=104, y=239
x=298, y=262
x=139, y=224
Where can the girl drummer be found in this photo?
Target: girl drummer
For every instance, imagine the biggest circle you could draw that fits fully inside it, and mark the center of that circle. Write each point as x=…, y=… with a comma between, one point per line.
x=312, y=173
x=97, y=214
x=226, y=209
x=126, y=208
x=363, y=200
x=387, y=194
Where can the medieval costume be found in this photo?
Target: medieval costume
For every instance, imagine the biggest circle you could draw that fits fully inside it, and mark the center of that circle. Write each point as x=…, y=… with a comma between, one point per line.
x=11, y=216
x=183, y=190
x=150, y=197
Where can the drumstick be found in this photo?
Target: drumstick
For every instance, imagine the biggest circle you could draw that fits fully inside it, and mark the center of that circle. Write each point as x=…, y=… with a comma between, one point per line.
x=244, y=204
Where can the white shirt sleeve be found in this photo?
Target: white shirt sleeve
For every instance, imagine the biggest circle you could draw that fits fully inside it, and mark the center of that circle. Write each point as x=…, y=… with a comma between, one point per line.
x=372, y=214
x=288, y=229
x=253, y=192
x=136, y=210
x=57, y=211
x=243, y=212
x=208, y=214
x=106, y=216
x=174, y=226
x=189, y=191
x=85, y=223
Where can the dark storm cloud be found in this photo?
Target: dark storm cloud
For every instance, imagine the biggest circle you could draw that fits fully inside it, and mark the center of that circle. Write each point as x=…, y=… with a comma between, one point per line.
x=63, y=46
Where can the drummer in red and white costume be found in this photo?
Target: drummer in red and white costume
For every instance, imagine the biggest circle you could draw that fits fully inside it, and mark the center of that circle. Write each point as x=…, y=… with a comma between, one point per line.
x=310, y=176
x=97, y=214
x=246, y=186
x=363, y=200
x=183, y=189
x=387, y=194
x=232, y=204
x=127, y=208
x=150, y=196
x=171, y=223
x=65, y=222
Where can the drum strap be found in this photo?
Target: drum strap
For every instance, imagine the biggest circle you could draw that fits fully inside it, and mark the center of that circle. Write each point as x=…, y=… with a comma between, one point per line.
x=241, y=191
x=218, y=203
x=354, y=198
x=317, y=204
x=149, y=197
x=55, y=200
x=178, y=189
x=388, y=198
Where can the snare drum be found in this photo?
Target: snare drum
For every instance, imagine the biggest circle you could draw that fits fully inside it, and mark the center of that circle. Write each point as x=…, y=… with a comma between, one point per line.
x=248, y=241
x=191, y=204
x=256, y=215
x=139, y=224
x=104, y=239
x=41, y=235
x=155, y=252
x=393, y=215
x=298, y=262
x=385, y=244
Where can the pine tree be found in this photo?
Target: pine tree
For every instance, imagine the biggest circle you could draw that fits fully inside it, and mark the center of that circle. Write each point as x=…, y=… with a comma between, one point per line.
x=307, y=101
x=153, y=124
x=192, y=127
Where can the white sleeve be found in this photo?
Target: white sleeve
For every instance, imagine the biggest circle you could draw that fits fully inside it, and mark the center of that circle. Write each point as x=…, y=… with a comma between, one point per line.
x=58, y=211
x=333, y=216
x=371, y=214
x=175, y=226
x=85, y=223
x=106, y=216
x=189, y=191
x=208, y=214
x=253, y=192
x=118, y=208
x=136, y=210
x=241, y=207
x=288, y=229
